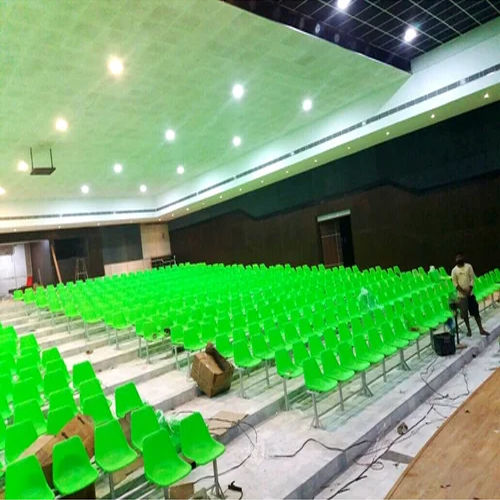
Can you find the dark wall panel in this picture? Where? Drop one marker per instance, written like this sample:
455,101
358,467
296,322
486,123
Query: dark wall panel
414,201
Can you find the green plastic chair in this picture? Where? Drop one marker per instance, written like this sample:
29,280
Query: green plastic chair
27,342
332,369
316,346
223,345
18,437
81,372
25,390
350,362
331,339
287,370
198,445
54,381
28,360
90,388
376,343
64,397
97,407
5,409
143,422
30,411
244,360
127,399
112,451
300,353
276,341
51,354
25,479
316,382
58,418
32,373
162,465
58,365
71,468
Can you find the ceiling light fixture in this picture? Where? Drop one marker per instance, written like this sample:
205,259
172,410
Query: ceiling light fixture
262,182
241,189
315,160
187,209
22,166
433,116
307,104
410,34
117,167
115,66
486,96
180,169
238,91
286,172
85,189
220,197
348,147
387,133
236,141
343,4
2,191
143,188
170,135
61,125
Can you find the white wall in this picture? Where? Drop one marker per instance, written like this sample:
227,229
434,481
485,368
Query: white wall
13,271
155,240
127,267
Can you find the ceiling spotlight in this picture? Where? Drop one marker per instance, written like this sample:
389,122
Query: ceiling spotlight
387,133
286,172
117,167
170,135
58,227
315,160
240,189
307,104
486,96
180,169
143,188
85,189
262,182
173,215
236,141
61,125
115,66
410,34
238,90
433,116
343,4
348,147
22,166
2,191
187,209
220,197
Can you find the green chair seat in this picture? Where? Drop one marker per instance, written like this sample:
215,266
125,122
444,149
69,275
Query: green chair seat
284,365
97,407
332,369
242,356
314,379
58,418
25,479
112,451
71,469
127,399
143,422
347,359
30,411
18,437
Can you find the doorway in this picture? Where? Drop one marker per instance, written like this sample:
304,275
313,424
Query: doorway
336,239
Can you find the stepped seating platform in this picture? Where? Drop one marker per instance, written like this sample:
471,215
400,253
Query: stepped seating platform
162,383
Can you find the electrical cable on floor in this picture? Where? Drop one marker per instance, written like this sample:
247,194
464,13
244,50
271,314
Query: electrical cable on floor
313,440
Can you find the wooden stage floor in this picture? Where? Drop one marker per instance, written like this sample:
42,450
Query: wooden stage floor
462,460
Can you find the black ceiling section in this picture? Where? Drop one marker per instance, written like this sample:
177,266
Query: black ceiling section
375,28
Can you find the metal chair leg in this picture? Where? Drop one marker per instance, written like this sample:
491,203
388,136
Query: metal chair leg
418,349
147,350
111,486
267,373
315,408
116,339
366,390
166,495
189,365
218,489
285,392
242,391
404,366
341,397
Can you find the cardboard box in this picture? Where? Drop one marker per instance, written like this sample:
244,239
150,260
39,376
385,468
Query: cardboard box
42,448
181,491
211,371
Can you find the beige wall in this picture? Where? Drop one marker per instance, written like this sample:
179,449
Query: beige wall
155,240
127,267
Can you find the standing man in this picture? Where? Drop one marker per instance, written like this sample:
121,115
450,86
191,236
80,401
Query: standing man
462,276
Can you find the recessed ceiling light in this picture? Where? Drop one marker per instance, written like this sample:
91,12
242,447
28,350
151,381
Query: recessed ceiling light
343,4
410,34
286,172
2,191
262,182
98,223
173,215
15,230
22,166
180,169
170,135
143,188
387,133
238,90
241,189
58,227
307,104
220,197
115,66
486,95
349,147
315,160
236,141
84,189
117,167
61,125
187,209
433,116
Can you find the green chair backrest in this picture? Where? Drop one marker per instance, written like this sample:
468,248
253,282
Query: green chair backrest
97,407
300,353
194,433
18,437
68,452
54,381
29,411
143,421
312,371
127,399
81,372
28,341
24,478
330,363
63,397
25,390
90,388
109,440
49,355
58,418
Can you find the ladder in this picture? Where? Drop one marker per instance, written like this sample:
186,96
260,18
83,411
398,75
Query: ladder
80,269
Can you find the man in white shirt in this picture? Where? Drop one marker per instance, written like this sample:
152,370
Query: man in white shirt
462,276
